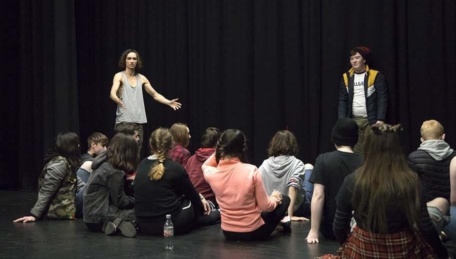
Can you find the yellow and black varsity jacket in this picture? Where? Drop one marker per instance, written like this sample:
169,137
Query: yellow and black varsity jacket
375,91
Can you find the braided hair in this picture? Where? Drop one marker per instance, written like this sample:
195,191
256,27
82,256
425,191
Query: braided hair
160,141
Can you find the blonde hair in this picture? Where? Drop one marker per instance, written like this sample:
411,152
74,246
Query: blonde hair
431,129
160,142
180,133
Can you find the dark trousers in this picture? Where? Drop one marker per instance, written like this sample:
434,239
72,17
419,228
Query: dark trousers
327,231
184,222
271,220
84,176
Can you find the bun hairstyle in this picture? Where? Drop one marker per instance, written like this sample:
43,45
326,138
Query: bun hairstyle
160,142
382,138
232,143
386,128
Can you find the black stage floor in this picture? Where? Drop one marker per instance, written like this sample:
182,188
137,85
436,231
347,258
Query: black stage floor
71,239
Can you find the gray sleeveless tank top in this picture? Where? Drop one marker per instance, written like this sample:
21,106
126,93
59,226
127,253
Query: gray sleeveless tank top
133,99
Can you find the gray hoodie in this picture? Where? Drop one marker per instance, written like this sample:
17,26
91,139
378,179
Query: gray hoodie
438,149
281,172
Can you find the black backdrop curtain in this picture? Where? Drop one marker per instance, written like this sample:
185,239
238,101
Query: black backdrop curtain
41,95
259,66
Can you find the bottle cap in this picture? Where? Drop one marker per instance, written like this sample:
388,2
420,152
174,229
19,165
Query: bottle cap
168,216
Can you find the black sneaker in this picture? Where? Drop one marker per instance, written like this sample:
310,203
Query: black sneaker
286,226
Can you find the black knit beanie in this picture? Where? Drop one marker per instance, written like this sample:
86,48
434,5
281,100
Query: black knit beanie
345,132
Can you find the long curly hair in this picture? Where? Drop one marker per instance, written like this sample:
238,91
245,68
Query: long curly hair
123,59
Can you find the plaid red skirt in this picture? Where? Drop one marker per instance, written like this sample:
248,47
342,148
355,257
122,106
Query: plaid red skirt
405,244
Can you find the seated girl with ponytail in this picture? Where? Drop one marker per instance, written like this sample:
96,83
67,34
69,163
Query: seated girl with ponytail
248,213
162,187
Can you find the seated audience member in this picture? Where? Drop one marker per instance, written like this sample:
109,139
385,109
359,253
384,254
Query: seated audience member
194,163
106,206
432,164
283,172
131,129
450,229
181,136
385,198
134,130
248,213
328,175
58,183
128,129
162,187
96,143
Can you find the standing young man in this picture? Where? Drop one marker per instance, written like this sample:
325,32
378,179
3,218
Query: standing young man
126,92
363,94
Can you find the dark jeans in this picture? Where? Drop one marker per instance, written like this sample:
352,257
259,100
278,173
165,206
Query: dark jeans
125,215
303,210
271,220
79,202
308,186
84,176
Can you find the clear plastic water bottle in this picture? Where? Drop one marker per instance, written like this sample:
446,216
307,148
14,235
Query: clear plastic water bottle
168,233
